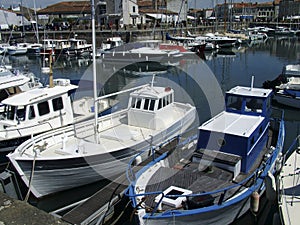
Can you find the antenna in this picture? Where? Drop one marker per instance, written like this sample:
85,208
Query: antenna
152,81
252,82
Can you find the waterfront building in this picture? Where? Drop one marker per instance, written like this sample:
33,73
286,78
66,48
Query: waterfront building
289,9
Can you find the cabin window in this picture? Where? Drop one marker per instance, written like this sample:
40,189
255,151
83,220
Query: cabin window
57,104
235,102
166,101
10,112
31,113
43,108
3,95
146,104
138,103
253,105
21,112
152,104
133,102
159,104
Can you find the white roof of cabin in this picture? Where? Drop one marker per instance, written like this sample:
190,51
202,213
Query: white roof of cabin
37,95
152,92
247,91
233,123
12,81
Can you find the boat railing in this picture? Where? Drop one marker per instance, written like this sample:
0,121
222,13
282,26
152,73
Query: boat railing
130,192
131,176
293,147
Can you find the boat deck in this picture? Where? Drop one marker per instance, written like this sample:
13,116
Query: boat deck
191,176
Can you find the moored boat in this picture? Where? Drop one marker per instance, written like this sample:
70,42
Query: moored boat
236,150
288,183
85,153
289,93
40,110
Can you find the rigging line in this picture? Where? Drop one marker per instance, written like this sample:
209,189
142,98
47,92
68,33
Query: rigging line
31,177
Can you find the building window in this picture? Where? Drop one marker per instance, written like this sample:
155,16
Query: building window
133,9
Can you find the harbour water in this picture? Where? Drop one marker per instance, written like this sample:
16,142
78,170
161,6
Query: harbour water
200,81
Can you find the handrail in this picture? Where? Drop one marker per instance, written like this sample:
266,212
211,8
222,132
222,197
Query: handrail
292,146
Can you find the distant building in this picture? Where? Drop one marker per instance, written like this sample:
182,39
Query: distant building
116,13
267,11
9,19
289,9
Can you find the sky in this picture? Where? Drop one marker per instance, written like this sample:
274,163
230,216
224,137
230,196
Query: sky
44,3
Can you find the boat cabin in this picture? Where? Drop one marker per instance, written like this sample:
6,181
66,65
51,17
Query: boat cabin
241,129
148,107
38,106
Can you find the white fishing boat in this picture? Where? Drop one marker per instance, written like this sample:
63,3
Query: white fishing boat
43,109
212,184
18,49
78,47
288,183
109,44
140,54
82,154
289,93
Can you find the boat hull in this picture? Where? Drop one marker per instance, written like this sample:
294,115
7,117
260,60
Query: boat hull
215,217
287,100
55,175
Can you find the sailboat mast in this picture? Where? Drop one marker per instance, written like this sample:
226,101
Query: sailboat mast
36,23
94,67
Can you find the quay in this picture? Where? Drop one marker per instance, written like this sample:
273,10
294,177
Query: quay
134,34
18,212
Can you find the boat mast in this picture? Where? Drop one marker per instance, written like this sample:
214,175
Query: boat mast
94,68
36,24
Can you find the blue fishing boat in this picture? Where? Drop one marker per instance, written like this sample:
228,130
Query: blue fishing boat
235,152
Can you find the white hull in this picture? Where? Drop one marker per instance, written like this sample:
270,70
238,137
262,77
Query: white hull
289,193
72,159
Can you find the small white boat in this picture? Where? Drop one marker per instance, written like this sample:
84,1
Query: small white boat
141,54
79,155
289,93
212,184
43,109
109,44
34,49
289,183
3,48
18,49
78,47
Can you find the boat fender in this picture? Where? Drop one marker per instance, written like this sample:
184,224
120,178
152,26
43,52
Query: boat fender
138,160
254,202
270,187
278,163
